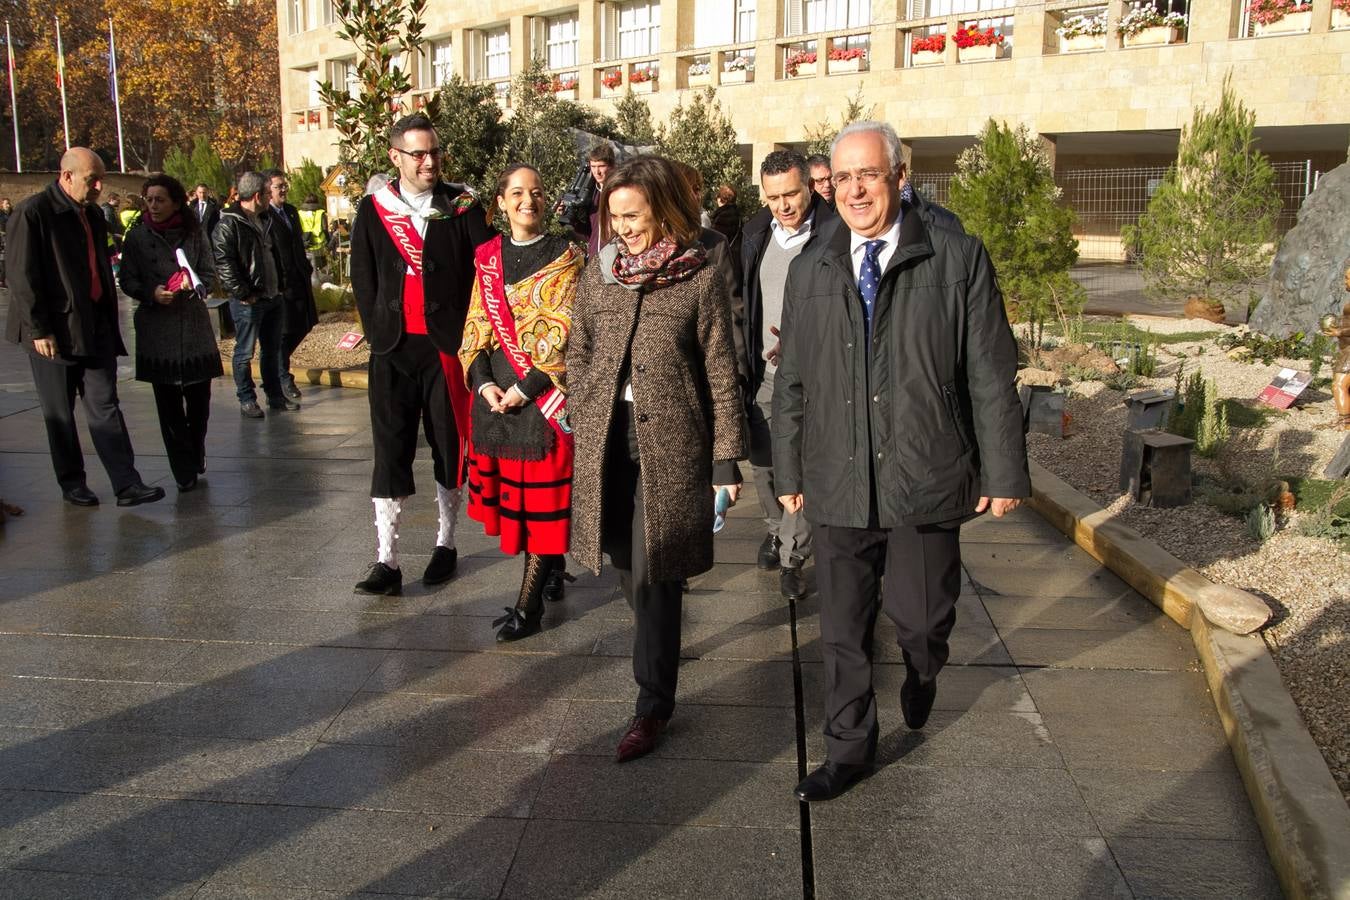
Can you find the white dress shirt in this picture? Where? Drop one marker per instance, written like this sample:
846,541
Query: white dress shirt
857,243
789,239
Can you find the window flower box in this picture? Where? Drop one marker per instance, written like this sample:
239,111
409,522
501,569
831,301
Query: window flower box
974,45
800,65
1292,23
1280,16
1340,18
1082,43
703,79
642,81
564,88
843,62
928,51
738,69
611,83
1153,36
980,53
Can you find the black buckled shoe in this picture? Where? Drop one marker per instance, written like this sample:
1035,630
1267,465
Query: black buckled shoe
767,557
381,581
282,402
139,493
442,566
830,780
80,496
916,698
792,582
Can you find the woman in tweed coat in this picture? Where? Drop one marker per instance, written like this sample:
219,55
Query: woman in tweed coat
175,347
656,409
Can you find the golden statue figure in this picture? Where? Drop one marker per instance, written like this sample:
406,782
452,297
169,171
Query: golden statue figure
1339,328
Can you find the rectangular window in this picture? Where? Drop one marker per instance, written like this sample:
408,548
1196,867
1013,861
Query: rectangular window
295,16
342,72
329,13
495,60
312,82
807,16
634,28
437,64
745,20
924,9
560,41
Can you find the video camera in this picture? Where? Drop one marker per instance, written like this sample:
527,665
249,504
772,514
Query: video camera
574,208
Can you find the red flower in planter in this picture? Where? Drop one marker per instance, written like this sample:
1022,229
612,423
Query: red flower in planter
639,76
936,43
800,58
1267,12
612,79
842,55
970,36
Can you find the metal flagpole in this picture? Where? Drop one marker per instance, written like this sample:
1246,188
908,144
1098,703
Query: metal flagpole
117,99
13,102
61,81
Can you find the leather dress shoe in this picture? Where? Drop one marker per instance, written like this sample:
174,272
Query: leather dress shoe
80,496
555,586
792,582
767,557
640,738
139,493
916,698
830,781
381,581
289,389
189,485
282,402
250,409
442,566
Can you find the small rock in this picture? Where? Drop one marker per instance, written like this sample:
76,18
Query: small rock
1203,308
1233,610
1037,377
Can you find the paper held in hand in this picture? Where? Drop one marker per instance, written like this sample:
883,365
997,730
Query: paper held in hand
1284,388
350,340
193,281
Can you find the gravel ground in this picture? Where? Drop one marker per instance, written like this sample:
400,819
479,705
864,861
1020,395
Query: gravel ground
319,349
1305,580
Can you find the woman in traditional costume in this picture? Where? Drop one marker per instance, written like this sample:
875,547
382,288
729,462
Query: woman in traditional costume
520,464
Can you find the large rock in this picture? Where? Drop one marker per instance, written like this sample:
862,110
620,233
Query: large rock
1307,279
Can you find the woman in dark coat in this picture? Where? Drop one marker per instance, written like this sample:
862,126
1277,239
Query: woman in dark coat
175,347
515,336
658,417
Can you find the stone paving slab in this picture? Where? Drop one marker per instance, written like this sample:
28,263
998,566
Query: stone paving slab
194,702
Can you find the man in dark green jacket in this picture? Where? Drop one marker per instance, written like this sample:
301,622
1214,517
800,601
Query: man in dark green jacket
895,419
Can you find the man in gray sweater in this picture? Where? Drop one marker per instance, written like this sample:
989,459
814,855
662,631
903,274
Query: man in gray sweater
772,239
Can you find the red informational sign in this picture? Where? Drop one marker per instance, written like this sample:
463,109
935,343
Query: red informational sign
1284,388
350,340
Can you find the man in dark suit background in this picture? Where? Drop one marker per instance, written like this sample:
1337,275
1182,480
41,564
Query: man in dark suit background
63,310
206,208
299,314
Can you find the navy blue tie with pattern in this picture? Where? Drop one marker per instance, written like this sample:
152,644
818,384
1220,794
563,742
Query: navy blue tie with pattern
869,279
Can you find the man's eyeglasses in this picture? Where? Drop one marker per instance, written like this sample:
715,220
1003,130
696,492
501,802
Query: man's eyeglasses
867,177
821,181
420,155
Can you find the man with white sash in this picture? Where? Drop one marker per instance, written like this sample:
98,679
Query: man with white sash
412,272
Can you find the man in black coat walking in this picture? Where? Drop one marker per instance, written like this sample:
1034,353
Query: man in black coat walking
63,310
206,209
895,419
299,315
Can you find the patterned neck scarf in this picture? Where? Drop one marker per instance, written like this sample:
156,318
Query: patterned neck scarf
658,265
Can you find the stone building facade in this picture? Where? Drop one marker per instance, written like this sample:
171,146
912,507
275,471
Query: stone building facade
1100,101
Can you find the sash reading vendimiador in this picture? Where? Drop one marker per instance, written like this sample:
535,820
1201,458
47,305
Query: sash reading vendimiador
492,288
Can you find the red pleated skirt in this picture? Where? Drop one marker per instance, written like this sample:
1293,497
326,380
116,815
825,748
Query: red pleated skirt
528,503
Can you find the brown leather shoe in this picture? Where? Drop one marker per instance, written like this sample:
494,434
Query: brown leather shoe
640,739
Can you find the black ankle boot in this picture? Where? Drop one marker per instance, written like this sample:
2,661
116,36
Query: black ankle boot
523,620
554,585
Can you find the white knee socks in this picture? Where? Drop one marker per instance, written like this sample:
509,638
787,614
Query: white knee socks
447,505
387,513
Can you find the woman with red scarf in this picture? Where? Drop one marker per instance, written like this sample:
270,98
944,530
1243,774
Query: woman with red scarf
515,335
175,347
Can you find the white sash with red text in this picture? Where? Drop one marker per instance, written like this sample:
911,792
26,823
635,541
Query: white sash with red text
492,287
